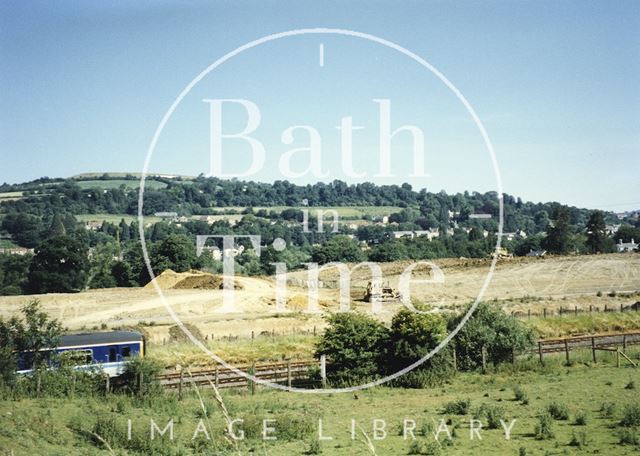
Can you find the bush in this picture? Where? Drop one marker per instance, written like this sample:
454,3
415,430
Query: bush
491,327
578,440
490,415
629,437
411,337
425,448
607,409
460,407
544,428
631,415
149,369
314,447
354,345
631,385
520,394
581,419
558,411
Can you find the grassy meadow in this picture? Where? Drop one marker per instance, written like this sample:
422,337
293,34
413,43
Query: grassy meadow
589,403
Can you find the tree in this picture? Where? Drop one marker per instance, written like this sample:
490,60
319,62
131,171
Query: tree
559,234
176,252
489,327
60,265
597,239
412,336
27,338
339,248
388,251
13,273
626,233
354,345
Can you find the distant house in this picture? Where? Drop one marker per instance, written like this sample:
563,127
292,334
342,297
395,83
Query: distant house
626,246
93,225
536,253
611,229
16,251
403,234
171,215
479,216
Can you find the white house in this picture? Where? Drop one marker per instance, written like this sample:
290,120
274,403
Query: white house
626,246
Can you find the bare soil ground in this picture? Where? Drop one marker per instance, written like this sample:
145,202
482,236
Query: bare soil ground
519,284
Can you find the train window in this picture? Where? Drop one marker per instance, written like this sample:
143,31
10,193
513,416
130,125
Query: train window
112,354
126,352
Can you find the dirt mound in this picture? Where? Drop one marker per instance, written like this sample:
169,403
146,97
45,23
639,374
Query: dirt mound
190,280
202,281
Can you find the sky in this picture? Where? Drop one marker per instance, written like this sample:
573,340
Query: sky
84,86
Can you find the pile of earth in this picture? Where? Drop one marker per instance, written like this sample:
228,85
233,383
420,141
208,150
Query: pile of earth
190,280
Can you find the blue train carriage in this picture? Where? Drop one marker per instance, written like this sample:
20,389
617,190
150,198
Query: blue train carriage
108,351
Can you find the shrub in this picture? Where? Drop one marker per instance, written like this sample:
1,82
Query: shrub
581,419
354,345
629,437
314,447
520,394
425,448
460,407
558,411
631,415
544,428
490,415
578,440
411,337
498,332
607,409
631,385
149,369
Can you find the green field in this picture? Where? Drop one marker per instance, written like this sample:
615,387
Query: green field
351,212
115,218
71,426
116,183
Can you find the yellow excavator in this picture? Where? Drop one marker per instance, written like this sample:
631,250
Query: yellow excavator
381,292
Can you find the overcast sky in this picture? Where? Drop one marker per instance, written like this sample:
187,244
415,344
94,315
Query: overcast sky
84,85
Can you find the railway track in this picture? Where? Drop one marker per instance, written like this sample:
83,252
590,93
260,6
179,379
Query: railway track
304,372
286,373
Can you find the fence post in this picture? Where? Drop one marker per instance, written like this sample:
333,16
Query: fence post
621,308
217,377
544,312
180,385
455,360
106,384
529,314
540,351
314,330
605,308
323,370
566,349
576,310
590,308
618,358
593,348
252,335
624,343
251,381
289,379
